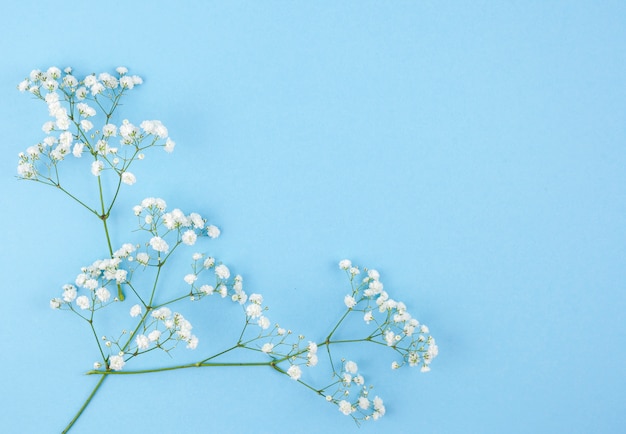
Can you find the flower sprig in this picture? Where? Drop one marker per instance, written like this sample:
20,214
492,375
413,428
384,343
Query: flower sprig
156,318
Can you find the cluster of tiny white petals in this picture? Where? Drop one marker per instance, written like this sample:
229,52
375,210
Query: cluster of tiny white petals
116,362
294,372
94,280
352,395
74,106
397,327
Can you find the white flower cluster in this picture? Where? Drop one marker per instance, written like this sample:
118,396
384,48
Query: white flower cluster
94,279
165,326
175,226
352,395
220,284
74,105
297,356
394,325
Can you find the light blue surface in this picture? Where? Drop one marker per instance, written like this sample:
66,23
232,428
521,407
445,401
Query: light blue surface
472,152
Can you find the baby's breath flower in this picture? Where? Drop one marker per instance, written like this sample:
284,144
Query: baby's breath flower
83,302
96,168
128,178
364,403
142,342
349,301
192,343
103,294
116,363
294,372
159,244
143,258
351,367
345,407
254,310
135,310
169,145
222,271
207,289
189,237
213,231
263,322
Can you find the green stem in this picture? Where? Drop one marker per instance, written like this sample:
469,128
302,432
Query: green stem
176,367
338,324
84,406
57,185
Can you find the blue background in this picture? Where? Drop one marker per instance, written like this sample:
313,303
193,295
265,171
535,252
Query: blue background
472,152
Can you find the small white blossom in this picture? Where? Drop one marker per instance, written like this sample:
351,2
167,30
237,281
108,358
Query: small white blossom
77,151
159,244
103,294
368,317
364,403
127,82
83,302
267,347
69,293
192,343
264,322
213,231
345,407
142,342
190,278
254,310
128,178
390,337
109,130
162,313
294,372
207,289
351,367
379,408
349,301
154,335
373,274
311,359
143,258
189,237
86,125
345,264
55,303
169,145
135,310
116,363
256,298
48,127
222,271
96,168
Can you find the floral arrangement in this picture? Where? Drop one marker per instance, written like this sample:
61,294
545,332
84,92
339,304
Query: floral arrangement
128,276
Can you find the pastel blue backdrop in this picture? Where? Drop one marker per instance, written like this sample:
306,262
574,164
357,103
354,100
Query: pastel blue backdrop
472,152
